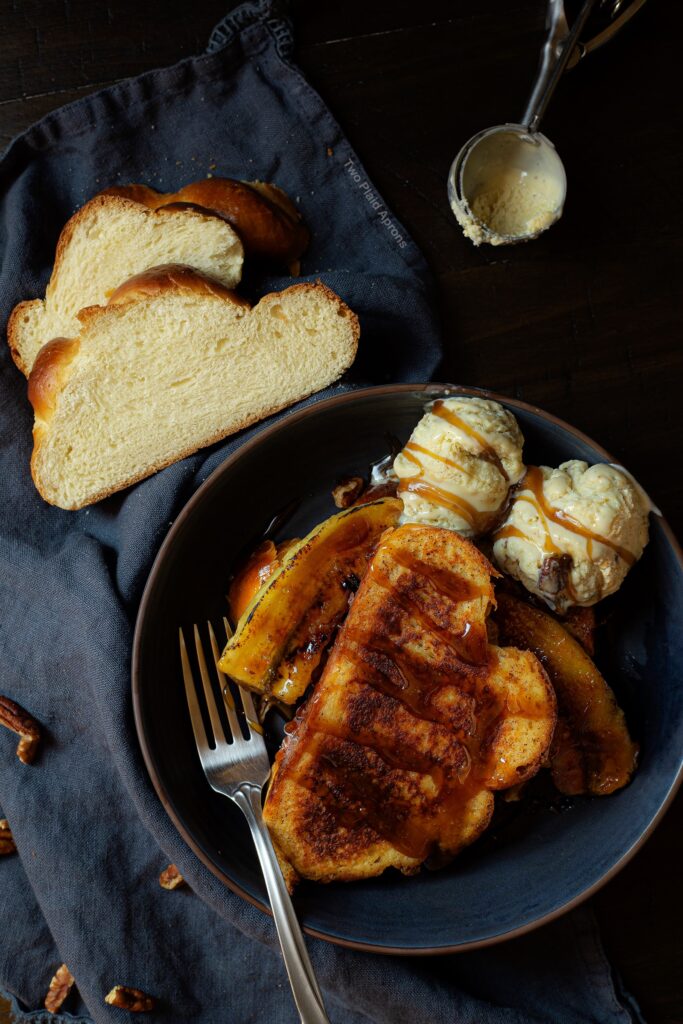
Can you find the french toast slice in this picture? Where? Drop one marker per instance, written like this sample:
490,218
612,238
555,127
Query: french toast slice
414,723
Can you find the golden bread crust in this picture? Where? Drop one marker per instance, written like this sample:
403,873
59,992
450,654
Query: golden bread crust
170,277
264,217
49,374
46,380
13,329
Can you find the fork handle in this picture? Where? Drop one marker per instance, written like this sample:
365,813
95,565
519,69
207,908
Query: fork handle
307,995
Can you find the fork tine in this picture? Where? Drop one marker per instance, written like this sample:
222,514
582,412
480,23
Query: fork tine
216,724
247,700
225,690
250,712
191,694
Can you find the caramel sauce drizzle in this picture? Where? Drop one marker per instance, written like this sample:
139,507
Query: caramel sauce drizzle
533,482
479,521
448,584
413,446
474,646
446,499
401,677
440,409
510,531
357,797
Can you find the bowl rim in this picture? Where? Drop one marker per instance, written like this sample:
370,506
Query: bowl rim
187,510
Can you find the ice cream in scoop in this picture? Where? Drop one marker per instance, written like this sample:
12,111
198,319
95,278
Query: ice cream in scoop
571,534
459,464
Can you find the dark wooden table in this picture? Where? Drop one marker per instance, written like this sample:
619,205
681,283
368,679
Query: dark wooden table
584,322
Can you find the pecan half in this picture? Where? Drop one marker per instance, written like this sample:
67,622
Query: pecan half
170,878
14,717
6,838
347,491
59,989
388,489
131,999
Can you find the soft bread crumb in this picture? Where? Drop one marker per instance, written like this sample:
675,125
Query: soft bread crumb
107,241
160,377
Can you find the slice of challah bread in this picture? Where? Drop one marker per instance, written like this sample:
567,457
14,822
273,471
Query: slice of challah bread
264,216
174,362
104,243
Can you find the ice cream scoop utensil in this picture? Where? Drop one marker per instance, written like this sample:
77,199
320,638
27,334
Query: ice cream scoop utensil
507,184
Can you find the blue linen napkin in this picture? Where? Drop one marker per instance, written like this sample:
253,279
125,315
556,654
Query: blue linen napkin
91,833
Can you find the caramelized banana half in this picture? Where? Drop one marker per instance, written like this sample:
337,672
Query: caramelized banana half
282,635
592,751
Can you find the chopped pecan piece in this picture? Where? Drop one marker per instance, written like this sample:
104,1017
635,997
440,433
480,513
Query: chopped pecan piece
59,989
6,838
554,574
388,489
348,491
14,717
170,878
131,999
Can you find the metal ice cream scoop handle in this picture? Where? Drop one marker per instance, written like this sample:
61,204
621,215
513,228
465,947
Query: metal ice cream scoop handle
557,49
507,184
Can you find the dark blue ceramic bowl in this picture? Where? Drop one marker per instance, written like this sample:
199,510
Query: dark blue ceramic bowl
542,856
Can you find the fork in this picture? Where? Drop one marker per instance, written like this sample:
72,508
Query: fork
239,768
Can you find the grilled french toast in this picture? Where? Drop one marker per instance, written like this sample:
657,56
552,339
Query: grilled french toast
415,721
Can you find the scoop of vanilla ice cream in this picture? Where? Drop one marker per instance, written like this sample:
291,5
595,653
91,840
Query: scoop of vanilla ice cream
459,464
571,534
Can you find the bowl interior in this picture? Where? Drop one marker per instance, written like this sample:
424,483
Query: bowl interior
541,854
